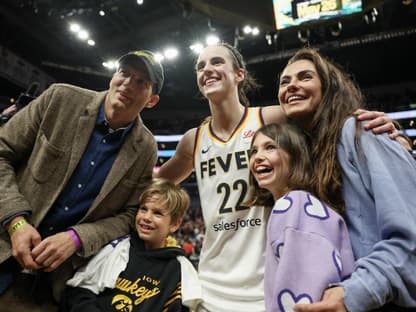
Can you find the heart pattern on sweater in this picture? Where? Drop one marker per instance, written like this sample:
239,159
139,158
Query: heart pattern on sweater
315,208
287,299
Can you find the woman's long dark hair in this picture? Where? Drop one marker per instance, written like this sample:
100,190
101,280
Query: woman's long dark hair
340,99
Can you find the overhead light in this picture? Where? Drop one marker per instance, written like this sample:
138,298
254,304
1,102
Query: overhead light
371,17
255,31
212,40
83,34
102,13
139,2
110,64
74,27
171,53
197,47
268,38
247,29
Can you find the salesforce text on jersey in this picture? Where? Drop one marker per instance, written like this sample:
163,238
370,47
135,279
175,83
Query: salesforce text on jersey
235,225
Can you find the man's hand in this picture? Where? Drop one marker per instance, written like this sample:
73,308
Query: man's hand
9,110
53,251
332,301
379,122
23,240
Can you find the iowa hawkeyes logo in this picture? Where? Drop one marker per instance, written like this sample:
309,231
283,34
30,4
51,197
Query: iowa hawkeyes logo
122,303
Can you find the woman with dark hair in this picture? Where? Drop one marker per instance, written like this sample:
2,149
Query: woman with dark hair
358,173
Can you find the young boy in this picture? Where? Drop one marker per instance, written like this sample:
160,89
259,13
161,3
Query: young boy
143,271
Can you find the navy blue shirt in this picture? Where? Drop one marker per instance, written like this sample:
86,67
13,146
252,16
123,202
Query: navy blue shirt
87,179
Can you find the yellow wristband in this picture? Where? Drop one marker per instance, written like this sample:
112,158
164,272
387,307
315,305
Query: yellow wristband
13,228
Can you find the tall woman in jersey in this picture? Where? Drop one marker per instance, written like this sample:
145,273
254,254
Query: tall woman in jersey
231,264
232,257
361,174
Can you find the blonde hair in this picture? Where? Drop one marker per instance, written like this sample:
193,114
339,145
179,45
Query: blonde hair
174,198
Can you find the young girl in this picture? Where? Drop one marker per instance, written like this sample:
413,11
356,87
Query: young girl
307,242
361,174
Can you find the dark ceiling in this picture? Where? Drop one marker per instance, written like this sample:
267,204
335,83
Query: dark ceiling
378,53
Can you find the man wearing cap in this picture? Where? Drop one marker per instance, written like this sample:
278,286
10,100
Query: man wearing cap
73,164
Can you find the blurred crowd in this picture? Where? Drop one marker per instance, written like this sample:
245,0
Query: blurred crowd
191,235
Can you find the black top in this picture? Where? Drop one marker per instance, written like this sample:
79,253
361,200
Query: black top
151,282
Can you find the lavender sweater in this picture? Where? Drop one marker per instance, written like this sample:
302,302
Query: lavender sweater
308,248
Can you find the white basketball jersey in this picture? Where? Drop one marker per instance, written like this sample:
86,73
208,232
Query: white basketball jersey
231,265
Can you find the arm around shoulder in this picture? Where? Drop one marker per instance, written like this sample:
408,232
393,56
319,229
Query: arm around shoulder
273,114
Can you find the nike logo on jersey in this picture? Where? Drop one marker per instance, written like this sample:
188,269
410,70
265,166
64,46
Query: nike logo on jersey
205,150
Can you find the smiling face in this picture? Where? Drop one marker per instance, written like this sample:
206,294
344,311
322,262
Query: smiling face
154,223
269,165
216,73
300,91
130,91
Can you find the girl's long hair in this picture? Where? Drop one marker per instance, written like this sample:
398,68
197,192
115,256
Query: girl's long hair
289,138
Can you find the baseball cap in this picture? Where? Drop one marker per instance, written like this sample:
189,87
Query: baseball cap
154,68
